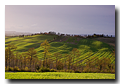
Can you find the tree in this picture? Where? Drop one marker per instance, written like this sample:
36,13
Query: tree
65,60
51,62
58,34
16,58
48,63
35,60
69,61
89,64
25,59
75,54
113,53
103,64
32,54
28,59
106,64
10,49
46,46
13,60
59,65
6,57
21,60
57,56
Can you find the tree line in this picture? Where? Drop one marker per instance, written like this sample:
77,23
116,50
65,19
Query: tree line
29,61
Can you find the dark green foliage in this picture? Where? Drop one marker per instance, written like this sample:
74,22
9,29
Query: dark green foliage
76,71
53,70
27,69
56,44
16,68
10,69
71,71
62,70
6,69
44,69
59,65
37,67
22,70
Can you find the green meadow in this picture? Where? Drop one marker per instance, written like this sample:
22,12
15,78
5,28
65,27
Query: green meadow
84,45
89,50
57,75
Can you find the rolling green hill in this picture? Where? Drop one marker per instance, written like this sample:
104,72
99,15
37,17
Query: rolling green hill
94,54
84,45
27,42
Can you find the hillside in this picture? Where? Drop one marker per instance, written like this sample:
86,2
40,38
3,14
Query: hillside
110,41
63,45
89,50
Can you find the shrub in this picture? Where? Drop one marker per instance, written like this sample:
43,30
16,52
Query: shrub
44,69
23,70
27,69
10,69
16,68
95,70
53,70
71,71
77,71
113,71
105,71
85,70
59,65
108,70
6,69
62,70
37,68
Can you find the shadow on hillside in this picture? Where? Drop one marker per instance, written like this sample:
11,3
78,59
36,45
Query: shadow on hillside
56,44
45,37
8,42
35,45
28,47
62,47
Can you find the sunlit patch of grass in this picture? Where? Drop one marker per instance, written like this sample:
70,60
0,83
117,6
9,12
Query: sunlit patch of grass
57,75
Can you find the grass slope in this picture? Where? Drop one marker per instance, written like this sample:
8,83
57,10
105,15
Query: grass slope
25,43
57,75
85,46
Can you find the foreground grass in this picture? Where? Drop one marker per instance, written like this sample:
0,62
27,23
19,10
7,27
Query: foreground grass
57,75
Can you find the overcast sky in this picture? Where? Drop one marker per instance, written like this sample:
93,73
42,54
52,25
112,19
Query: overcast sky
68,19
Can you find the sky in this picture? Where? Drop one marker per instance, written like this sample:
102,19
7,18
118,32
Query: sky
67,19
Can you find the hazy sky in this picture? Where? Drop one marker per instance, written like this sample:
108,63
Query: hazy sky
70,19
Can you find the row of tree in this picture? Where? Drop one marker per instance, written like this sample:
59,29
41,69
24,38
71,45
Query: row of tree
29,61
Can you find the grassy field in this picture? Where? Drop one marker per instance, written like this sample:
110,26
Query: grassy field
85,46
88,49
23,44
57,75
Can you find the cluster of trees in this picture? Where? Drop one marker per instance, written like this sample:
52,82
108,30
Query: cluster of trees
97,35
21,61
45,33
29,61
